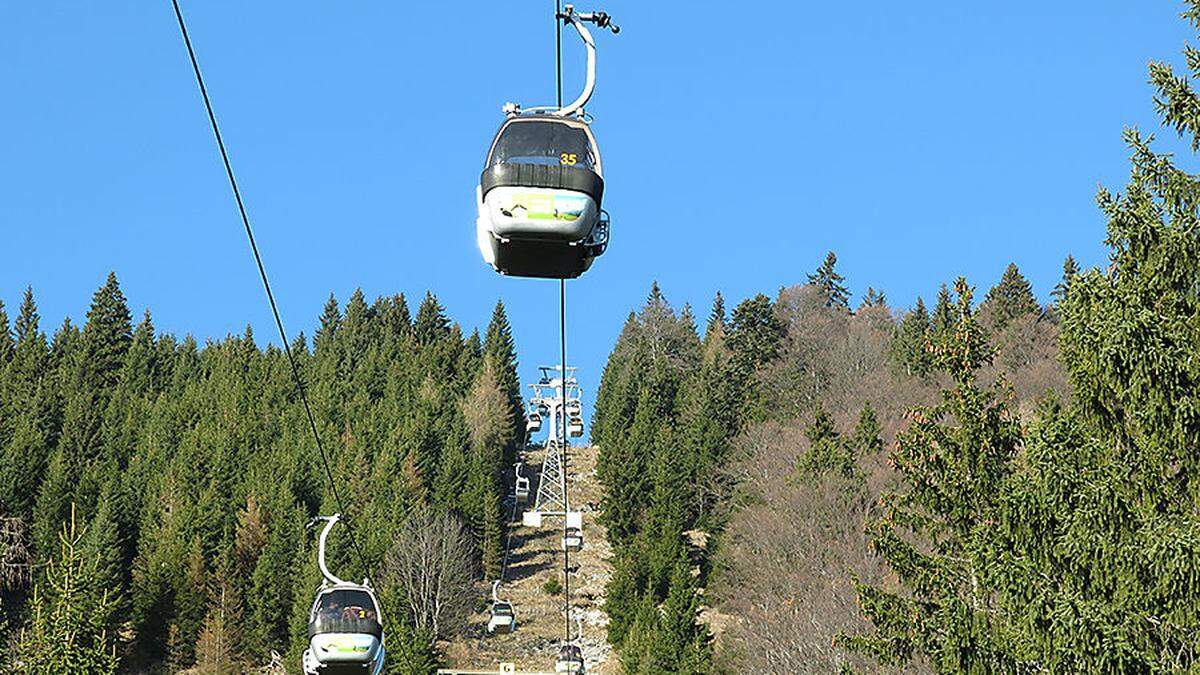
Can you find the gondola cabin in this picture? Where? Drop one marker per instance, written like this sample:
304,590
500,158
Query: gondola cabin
345,632
570,660
575,427
572,539
539,198
502,619
520,484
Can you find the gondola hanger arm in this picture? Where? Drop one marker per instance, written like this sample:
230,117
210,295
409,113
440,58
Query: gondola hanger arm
578,19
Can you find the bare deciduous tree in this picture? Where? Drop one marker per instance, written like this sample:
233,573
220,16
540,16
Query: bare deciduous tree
433,565
15,560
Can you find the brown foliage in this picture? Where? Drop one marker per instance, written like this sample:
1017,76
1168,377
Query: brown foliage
793,546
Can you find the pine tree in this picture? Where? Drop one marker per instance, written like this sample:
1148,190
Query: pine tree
7,344
830,284
716,319
943,311
1010,299
67,629
909,346
873,298
107,333
755,333
866,439
500,351
431,325
1070,271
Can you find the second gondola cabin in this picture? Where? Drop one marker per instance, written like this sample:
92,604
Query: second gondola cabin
539,198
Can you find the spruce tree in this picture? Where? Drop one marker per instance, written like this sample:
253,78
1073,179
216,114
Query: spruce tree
716,319
107,333
827,452
755,333
67,630
866,439
1070,271
501,354
1010,299
831,285
873,298
7,344
908,349
431,325
954,457
331,320
943,310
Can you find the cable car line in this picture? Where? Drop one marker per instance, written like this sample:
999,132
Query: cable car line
262,272
562,343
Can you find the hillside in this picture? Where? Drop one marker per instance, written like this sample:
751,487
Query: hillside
536,557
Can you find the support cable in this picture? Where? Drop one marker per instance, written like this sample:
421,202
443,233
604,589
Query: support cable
562,339
262,272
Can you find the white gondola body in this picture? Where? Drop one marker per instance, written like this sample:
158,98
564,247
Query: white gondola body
344,645
572,540
337,653
502,620
538,199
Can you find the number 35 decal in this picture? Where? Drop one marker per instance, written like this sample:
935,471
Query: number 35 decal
568,158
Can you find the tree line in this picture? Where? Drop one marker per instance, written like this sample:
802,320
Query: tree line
154,493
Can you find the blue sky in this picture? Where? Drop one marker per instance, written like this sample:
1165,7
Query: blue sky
919,141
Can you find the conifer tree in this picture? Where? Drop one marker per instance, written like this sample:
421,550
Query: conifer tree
431,325
1070,271
331,320
7,344
500,350
219,640
943,311
1011,298
831,285
716,319
107,333
755,333
827,452
873,298
866,439
67,629
909,345
955,471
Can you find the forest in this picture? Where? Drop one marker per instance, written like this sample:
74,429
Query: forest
991,485
156,493
810,480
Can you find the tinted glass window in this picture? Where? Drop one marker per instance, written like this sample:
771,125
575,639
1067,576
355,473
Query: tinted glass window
347,605
541,142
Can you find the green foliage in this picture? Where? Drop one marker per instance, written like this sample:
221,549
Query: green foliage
1079,553
830,284
195,470
909,346
873,298
552,586
866,439
827,450
755,333
665,416
1070,271
67,631
943,311
1010,299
